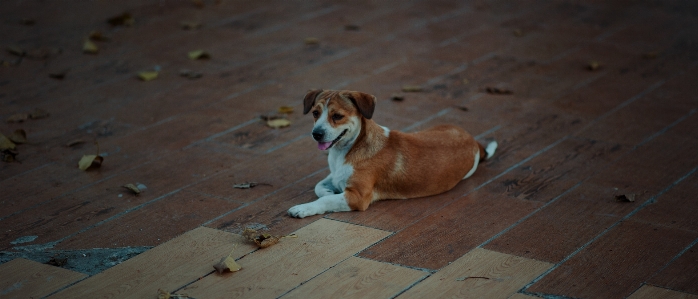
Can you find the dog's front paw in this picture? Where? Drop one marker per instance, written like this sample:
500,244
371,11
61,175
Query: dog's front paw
302,211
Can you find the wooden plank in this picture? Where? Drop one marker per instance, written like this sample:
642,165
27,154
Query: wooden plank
480,273
521,296
358,278
271,272
20,278
652,292
168,266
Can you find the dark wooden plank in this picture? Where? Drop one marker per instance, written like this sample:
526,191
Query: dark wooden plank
680,274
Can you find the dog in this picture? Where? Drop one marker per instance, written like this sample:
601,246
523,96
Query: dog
369,162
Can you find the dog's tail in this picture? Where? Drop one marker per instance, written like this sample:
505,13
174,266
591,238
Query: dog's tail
489,149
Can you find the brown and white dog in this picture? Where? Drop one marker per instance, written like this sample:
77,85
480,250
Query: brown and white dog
369,162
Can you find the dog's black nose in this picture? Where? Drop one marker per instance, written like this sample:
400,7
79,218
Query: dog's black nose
318,135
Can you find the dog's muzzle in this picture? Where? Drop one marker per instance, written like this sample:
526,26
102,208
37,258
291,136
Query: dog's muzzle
326,145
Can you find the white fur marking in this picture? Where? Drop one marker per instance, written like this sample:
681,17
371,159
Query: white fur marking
386,131
491,147
330,203
477,161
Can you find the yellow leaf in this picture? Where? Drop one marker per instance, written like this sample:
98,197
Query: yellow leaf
6,143
132,188
198,54
594,65
311,41
285,109
90,48
88,161
411,88
278,123
148,75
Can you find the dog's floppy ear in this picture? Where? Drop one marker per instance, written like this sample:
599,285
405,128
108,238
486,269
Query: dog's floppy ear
366,103
309,100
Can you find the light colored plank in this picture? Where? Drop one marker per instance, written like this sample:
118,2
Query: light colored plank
271,272
358,278
652,292
20,278
168,266
522,296
505,274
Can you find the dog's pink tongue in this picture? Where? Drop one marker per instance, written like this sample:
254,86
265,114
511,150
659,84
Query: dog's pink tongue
323,145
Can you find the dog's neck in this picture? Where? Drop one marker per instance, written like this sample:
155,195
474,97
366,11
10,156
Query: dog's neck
370,139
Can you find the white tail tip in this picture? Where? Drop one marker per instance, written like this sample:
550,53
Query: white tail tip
490,148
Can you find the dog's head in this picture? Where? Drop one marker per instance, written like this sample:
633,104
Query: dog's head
337,115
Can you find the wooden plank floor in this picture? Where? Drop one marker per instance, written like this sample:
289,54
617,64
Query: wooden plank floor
539,219
28,279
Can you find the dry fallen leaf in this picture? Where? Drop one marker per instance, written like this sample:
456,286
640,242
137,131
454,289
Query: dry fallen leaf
90,48
132,188
18,137
97,35
9,155
397,97
59,75
124,19
148,75
90,161
58,262
227,263
286,109
15,50
411,88
352,27
18,118
311,41
190,74
269,117
625,197
278,123
74,142
497,90
27,22
6,143
263,240
593,65
249,185
38,113
198,54
187,25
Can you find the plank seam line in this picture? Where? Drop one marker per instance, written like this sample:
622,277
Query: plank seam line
329,59
649,201
596,120
677,256
412,285
646,140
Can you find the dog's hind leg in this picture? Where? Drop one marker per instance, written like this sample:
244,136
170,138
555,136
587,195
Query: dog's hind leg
475,163
329,203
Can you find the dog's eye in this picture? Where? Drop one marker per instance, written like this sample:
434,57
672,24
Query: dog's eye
316,114
337,117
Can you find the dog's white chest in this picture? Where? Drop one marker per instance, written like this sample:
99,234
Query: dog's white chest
340,171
